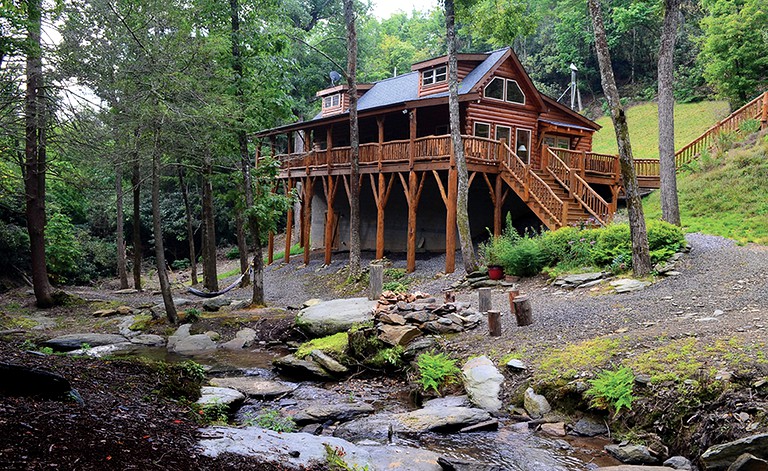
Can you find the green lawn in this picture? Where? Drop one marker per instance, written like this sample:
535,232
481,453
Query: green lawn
725,196
691,120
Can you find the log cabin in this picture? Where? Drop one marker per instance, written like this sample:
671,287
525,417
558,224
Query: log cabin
527,156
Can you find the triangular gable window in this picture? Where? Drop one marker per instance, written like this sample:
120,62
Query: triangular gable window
504,89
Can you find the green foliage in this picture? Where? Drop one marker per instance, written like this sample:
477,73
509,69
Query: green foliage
181,380
192,315
334,459
561,364
570,248
387,358
664,239
211,413
524,259
181,264
749,126
63,251
14,246
396,280
233,253
334,345
271,419
436,370
612,389
295,250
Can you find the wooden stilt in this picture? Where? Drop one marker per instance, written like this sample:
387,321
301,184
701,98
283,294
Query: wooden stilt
498,204
288,224
450,220
271,248
380,196
307,222
412,190
330,218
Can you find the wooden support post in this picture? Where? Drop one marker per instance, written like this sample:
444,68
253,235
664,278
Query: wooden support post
498,204
376,281
271,248
306,224
494,323
512,293
412,139
381,196
450,220
289,136
544,156
485,302
412,208
380,148
272,146
523,311
330,216
764,119
288,224
328,146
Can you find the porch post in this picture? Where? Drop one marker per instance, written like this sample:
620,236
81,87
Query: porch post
290,142
412,207
288,224
330,195
272,146
328,145
450,219
383,194
412,139
307,223
764,118
498,203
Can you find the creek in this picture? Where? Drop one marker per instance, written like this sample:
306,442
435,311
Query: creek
513,447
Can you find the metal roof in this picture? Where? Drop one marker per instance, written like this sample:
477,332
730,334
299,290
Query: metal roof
565,125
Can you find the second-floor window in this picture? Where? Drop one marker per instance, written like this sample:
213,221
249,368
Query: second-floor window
331,101
436,75
504,89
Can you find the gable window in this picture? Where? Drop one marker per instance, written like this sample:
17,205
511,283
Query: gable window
495,89
331,101
436,75
504,133
482,130
523,144
515,93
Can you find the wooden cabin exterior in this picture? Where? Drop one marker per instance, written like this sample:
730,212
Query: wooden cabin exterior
527,155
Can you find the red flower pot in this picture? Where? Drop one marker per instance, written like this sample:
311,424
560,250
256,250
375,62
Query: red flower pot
495,272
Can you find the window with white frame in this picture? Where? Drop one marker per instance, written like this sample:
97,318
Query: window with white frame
557,141
514,92
483,130
495,89
523,144
332,101
504,133
433,76
504,89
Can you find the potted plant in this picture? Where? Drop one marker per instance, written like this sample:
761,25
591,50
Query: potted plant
493,251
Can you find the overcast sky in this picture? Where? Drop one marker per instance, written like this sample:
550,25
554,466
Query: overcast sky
385,8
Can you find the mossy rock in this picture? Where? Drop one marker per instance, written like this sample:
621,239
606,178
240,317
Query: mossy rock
334,345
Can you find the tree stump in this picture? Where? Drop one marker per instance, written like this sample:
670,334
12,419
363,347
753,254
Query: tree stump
484,303
512,293
523,310
494,323
450,297
376,281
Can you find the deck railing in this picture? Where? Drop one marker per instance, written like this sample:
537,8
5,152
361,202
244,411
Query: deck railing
755,109
577,187
594,163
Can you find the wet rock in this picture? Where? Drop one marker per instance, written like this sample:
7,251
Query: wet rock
438,419
214,304
482,381
588,427
183,342
748,462
243,338
398,334
312,429
556,429
455,464
627,285
721,456
488,425
104,350
148,340
448,401
216,395
331,317
328,363
418,346
255,387
679,462
632,467
378,428
322,413
535,404
301,367
631,454
398,458
69,342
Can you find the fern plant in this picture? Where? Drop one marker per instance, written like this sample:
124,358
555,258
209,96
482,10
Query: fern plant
612,389
436,370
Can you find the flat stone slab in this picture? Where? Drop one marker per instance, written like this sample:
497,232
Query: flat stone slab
255,387
338,315
75,341
438,419
627,285
721,456
321,413
149,340
215,395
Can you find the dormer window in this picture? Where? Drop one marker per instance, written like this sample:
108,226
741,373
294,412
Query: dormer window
504,89
433,76
332,101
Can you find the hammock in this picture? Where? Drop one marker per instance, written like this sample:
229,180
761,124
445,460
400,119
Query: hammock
213,294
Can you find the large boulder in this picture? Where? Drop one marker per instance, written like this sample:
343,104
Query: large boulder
340,411
438,419
301,368
631,454
183,342
224,396
253,386
331,317
482,381
535,404
721,456
69,342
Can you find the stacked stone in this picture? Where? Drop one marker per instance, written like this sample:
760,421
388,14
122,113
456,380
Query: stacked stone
402,317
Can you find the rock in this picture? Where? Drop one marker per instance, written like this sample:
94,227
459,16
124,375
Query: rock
632,467
341,411
215,336
721,456
448,401
553,429
192,344
214,304
574,281
378,428
455,464
240,304
392,318
331,317
627,285
243,338
477,274
438,419
748,462
486,283
126,291
418,346
148,340
105,313
643,379
311,302
516,365
124,310
419,317
488,425
215,395
588,427
444,327
303,368
398,458
328,363
312,429
18,380
398,334
104,350
631,454
69,342
253,386
482,381
535,404
679,462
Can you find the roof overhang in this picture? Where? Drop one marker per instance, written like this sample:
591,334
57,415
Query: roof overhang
425,64
582,119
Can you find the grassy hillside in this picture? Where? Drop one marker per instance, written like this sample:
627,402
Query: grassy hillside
725,195
691,119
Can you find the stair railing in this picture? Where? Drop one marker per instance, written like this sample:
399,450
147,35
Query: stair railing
577,187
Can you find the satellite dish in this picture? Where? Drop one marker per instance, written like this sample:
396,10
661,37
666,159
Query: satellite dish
335,77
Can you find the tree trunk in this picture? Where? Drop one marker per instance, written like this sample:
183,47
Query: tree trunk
242,241
35,154
210,280
120,242
157,232
354,141
641,260
136,188
242,139
670,209
190,226
462,213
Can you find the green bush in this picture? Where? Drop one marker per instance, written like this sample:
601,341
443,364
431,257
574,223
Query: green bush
14,246
63,251
749,126
612,242
181,264
233,253
612,389
181,380
569,247
664,239
271,419
436,370
525,258
211,413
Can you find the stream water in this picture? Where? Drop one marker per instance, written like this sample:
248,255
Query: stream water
513,447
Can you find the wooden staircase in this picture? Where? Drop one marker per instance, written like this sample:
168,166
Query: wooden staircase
576,213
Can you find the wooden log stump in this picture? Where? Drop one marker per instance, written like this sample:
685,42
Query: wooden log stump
512,293
494,323
523,311
376,281
484,304
450,297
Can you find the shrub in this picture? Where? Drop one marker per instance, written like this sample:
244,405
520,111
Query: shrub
233,253
181,380
192,315
749,126
664,239
436,370
180,264
525,258
63,251
14,246
271,419
612,389
612,241
211,412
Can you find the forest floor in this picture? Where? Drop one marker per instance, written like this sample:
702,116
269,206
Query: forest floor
712,320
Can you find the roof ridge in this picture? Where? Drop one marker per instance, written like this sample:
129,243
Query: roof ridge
395,77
